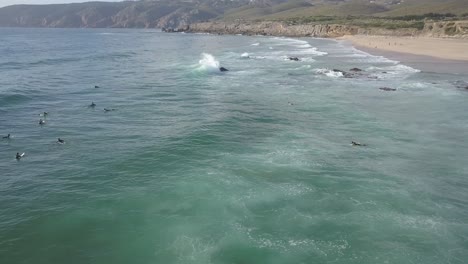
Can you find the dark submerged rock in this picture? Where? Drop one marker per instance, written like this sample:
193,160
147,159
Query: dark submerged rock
355,69
336,70
294,58
388,89
223,69
461,85
354,143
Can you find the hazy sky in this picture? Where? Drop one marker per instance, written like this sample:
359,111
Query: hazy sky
41,2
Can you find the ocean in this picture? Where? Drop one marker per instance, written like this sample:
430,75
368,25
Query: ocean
251,165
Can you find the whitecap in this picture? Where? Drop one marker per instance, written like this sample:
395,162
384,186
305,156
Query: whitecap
395,69
312,51
306,46
329,73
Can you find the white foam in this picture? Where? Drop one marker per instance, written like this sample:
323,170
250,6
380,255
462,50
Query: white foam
245,55
374,59
403,68
255,44
352,55
312,51
209,63
306,46
395,69
328,72
303,46
291,40
307,59
417,85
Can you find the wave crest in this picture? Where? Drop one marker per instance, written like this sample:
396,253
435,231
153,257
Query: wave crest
208,63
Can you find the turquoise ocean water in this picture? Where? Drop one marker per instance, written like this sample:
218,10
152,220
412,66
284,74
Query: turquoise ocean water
253,165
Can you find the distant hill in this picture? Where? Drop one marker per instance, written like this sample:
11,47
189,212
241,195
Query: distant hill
343,8
180,13
140,14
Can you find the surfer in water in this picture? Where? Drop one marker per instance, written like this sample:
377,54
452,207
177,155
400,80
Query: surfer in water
7,136
19,156
354,143
60,141
41,122
44,114
92,105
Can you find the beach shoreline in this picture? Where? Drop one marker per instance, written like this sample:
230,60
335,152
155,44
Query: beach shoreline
428,54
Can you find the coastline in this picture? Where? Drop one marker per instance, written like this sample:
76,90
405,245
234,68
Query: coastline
428,54
429,49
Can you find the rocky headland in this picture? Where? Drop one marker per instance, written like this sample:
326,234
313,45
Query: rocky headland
458,29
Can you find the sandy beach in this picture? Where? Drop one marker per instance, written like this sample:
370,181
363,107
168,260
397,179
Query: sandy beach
451,49
425,53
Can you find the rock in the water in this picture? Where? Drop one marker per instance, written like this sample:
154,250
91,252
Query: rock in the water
336,70
294,58
345,74
461,84
387,89
223,69
355,73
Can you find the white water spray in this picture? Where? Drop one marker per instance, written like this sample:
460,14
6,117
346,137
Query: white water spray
208,63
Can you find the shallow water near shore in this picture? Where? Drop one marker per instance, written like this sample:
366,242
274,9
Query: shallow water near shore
253,165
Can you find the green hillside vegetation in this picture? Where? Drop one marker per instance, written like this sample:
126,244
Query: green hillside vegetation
256,12
181,13
341,10
418,7
363,8
364,13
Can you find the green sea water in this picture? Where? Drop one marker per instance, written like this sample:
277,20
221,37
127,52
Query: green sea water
253,165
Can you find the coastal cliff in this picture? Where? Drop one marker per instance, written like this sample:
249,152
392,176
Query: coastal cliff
299,18
127,14
446,29
431,29
274,29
